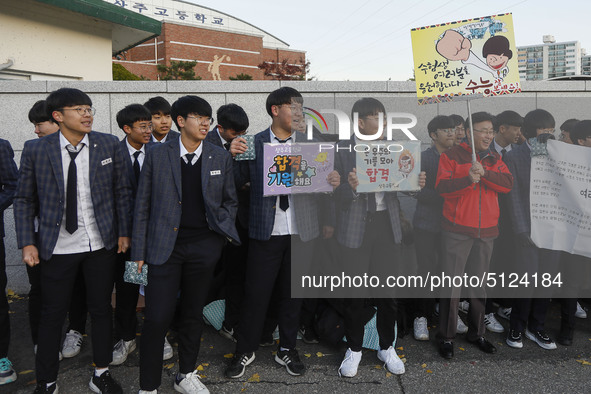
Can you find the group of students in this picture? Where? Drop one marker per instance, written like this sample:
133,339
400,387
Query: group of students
179,206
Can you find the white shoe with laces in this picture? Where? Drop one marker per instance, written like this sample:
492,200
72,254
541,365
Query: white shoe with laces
391,361
463,306
461,327
72,344
190,384
492,324
121,350
580,313
167,353
420,329
350,364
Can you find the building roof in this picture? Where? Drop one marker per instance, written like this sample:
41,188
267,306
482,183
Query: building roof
129,28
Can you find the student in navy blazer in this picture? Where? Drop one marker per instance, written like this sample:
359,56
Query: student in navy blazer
528,314
86,237
8,179
184,214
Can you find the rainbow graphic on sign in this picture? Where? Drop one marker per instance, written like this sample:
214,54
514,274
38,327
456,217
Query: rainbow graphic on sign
318,118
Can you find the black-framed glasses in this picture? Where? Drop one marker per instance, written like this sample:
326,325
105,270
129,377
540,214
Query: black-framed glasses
81,110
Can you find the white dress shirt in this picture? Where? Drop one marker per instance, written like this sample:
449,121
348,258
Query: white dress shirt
87,237
499,148
197,152
132,150
284,223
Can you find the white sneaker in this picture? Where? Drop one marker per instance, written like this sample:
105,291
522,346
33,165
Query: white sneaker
463,306
461,328
350,364
190,384
121,350
167,353
492,324
420,329
580,313
72,344
505,313
391,361
148,392
61,356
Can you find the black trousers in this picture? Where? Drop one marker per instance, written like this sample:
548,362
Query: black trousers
269,265
428,253
377,251
126,302
234,260
4,320
58,277
189,269
531,311
77,312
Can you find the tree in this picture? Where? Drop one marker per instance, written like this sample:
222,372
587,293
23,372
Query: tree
120,73
284,71
178,71
241,77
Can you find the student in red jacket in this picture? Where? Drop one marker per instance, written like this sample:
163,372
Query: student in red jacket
469,225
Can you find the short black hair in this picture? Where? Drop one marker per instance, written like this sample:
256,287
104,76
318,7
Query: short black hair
569,125
158,105
282,96
38,112
232,117
131,114
536,119
66,97
478,117
187,105
581,131
439,122
497,45
368,106
508,118
457,120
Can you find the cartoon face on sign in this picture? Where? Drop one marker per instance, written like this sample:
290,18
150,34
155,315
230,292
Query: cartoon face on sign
406,163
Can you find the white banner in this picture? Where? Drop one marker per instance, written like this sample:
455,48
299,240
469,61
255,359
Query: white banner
560,198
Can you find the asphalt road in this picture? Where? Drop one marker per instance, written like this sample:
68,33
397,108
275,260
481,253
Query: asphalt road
528,370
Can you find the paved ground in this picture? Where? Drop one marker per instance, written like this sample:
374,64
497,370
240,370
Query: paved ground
529,370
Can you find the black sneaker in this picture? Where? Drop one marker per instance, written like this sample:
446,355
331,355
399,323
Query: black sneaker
291,360
42,388
104,384
308,335
514,339
238,365
541,338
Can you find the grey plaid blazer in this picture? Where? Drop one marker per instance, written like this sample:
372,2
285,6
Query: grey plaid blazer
262,209
351,208
41,191
157,213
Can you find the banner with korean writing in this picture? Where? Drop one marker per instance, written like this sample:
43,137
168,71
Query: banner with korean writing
394,166
471,57
560,198
297,168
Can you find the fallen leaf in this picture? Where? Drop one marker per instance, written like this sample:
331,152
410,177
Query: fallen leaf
429,371
10,292
424,365
400,355
378,367
307,355
25,372
255,378
403,360
274,353
583,362
229,355
388,374
319,354
200,367
169,366
202,376
462,349
205,364
400,348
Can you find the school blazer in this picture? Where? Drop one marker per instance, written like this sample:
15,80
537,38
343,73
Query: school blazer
158,204
41,191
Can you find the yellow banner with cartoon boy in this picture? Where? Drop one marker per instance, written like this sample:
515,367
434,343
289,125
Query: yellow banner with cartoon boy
470,57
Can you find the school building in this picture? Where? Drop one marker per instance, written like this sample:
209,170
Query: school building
222,45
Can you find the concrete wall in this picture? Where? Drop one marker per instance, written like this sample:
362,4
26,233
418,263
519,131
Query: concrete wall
564,99
46,42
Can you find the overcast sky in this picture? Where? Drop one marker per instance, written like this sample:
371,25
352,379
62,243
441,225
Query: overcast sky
369,40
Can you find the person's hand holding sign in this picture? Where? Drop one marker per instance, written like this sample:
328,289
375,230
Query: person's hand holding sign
353,180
